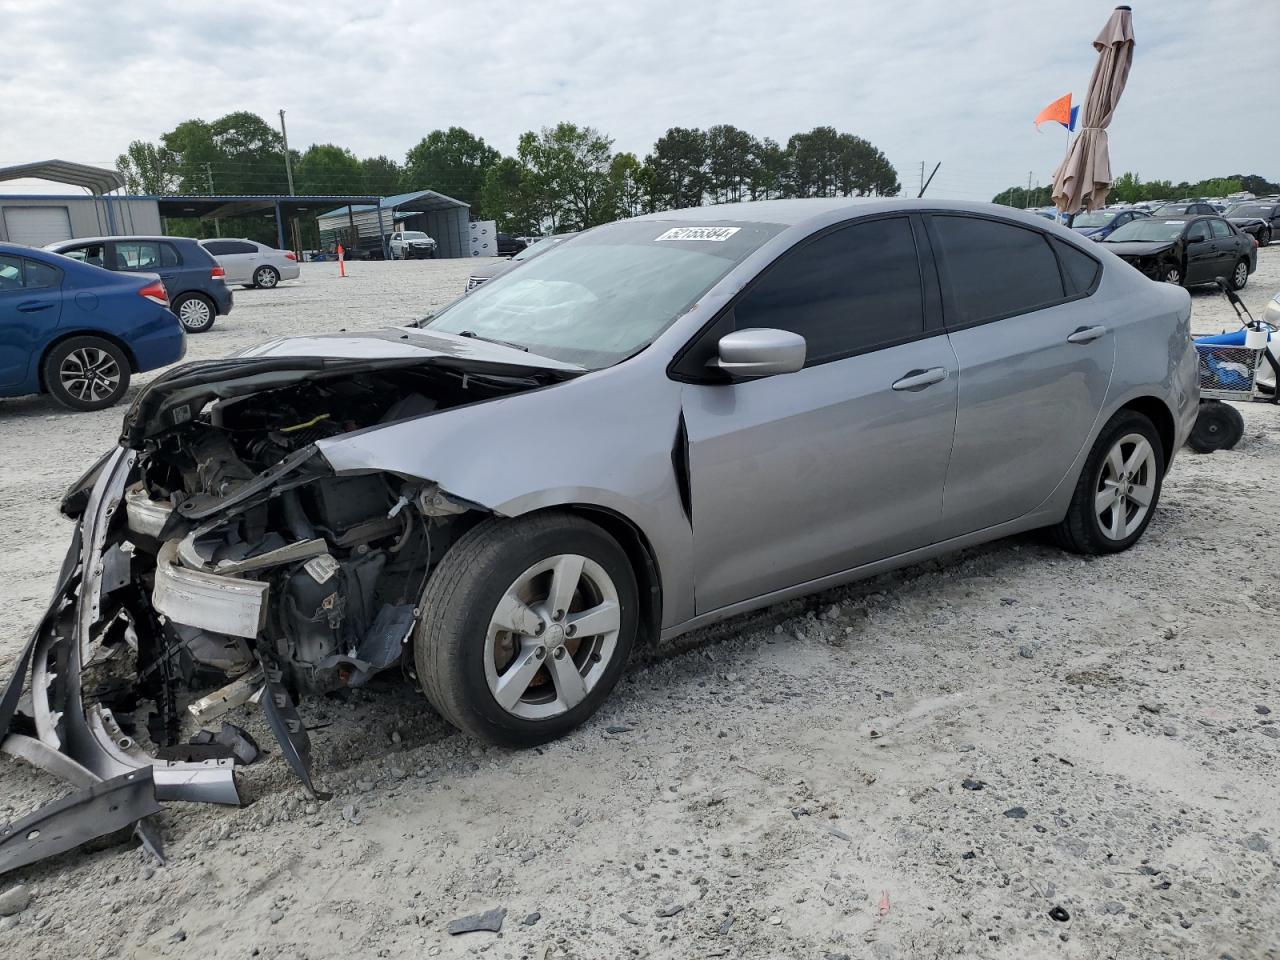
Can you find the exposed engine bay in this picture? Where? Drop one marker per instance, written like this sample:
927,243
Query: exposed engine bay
219,560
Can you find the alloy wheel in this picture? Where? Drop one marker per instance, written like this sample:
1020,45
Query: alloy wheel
1126,486
194,313
89,374
1173,275
552,637
265,277
1242,274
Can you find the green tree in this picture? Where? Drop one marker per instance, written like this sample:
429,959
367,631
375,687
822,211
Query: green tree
452,162
730,166
770,165
148,169
328,169
568,169
678,164
191,145
1021,198
628,184
506,195
381,176
815,162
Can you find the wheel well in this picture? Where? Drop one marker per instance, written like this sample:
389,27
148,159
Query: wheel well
1155,410
110,338
643,562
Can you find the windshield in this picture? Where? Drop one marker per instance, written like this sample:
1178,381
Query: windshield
1099,218
1249,210
606,295
1147,230
414,235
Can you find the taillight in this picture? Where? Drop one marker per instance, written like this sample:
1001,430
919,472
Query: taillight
156,293
288,255
217,273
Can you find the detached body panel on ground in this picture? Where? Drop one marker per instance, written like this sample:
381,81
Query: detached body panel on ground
663,423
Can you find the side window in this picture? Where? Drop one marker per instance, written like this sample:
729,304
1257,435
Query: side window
847,292
137,255
995,269
1219,228
216,248
239,246
1079,270
10,273
1199,231
41,275
94,254
169,256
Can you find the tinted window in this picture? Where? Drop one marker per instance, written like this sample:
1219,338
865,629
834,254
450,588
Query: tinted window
137,255
218,247
1219,228
1079,270
1199,231
239,246
846,292
10,273
995,269
41,275
169,256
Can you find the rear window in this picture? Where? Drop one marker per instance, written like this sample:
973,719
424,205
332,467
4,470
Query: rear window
1079,270
41,275
995,269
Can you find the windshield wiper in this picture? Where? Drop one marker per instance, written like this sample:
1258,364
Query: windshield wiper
471,334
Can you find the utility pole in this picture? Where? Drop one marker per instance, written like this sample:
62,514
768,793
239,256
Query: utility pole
208,177
921,177
288,172
1030,173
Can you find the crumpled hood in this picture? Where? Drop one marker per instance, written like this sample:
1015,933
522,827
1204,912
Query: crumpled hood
179,395
1139,248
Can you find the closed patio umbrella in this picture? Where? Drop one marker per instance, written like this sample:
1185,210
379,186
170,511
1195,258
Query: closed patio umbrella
1083,179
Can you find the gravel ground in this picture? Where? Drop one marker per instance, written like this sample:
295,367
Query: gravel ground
1011,752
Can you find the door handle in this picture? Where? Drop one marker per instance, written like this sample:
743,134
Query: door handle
34,306
1087,335
919,379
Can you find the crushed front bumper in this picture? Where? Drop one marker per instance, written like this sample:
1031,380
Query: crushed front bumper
54,729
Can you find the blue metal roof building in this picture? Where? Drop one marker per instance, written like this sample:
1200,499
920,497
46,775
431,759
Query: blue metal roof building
444,218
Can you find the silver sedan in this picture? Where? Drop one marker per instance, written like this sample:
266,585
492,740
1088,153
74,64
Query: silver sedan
657,424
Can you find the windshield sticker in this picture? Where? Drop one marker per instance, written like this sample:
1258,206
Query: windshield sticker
714,234
1173,223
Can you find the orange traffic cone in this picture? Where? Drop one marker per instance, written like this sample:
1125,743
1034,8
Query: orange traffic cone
342,266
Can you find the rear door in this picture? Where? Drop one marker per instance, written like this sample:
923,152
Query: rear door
1035,353
799,476
236,257
1228,245
30,306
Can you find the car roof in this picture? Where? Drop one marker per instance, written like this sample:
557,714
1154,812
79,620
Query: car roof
798,211
76,240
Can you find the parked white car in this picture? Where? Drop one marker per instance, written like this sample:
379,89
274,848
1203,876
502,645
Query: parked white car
251,263
412,245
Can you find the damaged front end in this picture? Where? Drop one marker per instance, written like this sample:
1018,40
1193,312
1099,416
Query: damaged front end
219,560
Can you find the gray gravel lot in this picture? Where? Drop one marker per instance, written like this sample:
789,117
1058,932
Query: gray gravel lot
923,765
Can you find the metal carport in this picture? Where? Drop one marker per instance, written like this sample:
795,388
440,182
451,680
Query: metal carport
443,217
283,207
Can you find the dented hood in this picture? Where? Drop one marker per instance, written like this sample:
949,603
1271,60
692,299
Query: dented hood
179,395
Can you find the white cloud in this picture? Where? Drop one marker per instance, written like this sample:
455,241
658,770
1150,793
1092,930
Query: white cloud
929,80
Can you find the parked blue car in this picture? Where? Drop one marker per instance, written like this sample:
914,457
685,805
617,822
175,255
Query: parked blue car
78,332
1099,224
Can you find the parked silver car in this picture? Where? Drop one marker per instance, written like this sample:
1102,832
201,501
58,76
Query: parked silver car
253,264
666,422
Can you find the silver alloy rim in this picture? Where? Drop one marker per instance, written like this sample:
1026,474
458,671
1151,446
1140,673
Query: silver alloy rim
1242,274
266,277
1126,486
194,313
89,374
1174,275
552,637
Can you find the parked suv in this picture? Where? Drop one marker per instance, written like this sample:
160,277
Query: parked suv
194,280
251,263
411,245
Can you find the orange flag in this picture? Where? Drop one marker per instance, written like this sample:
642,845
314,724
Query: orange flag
1059,112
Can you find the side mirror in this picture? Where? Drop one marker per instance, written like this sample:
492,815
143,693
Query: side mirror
761,352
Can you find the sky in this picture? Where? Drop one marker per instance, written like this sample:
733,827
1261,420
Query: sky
956,81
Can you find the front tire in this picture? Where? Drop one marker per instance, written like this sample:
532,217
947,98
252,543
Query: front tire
86,373
266,278
195,311
527,626
1219,426
1118,489
1240,275
1172,274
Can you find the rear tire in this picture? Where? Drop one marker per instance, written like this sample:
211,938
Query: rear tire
1125,468
1219,426
467,659
1240,275
86,373
195,311
266,278
1264,237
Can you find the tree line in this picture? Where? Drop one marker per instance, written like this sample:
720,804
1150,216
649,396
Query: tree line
560,178
1130,188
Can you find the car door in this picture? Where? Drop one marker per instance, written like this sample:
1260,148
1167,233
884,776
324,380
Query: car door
1035,354
798,476
30,306
1203,254
1228,246
235,257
